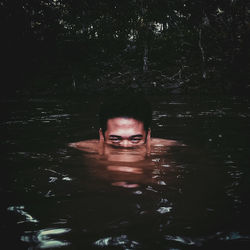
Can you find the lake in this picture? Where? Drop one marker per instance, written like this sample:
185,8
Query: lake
192,197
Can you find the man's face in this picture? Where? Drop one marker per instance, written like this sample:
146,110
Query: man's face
124,132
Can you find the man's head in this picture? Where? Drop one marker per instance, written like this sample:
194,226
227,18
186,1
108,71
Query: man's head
125,120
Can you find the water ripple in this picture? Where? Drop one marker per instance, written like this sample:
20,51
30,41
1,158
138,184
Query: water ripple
26,215
43,238
219,236
121,240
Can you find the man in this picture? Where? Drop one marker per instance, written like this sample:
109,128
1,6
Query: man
125,123
123,152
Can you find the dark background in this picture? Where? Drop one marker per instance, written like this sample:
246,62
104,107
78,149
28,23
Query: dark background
60,47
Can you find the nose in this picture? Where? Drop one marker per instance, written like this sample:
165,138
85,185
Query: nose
125,144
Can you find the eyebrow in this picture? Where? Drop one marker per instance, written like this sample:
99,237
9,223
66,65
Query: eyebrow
135,136
115,137
120,137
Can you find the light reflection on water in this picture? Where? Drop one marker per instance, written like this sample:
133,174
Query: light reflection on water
125,243
44,238
197,196
121,240
20,210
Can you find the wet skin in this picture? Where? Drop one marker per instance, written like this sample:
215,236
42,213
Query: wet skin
124,140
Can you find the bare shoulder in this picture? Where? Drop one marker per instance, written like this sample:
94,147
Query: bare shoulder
165,142
86,146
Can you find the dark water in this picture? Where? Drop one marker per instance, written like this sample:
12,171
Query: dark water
193,197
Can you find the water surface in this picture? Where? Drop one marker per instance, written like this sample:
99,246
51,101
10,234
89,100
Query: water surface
193,197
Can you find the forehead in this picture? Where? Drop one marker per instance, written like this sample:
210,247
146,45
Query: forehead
121,123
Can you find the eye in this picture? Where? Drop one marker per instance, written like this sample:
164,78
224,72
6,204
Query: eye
115,140
135,140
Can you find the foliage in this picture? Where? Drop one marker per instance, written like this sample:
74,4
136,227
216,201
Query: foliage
155,44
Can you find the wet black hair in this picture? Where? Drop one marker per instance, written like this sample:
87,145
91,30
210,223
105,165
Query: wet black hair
127,105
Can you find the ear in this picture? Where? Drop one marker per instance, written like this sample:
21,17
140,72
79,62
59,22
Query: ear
101,137
148,142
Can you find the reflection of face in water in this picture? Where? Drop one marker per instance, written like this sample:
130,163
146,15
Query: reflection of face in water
124,167
117,154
